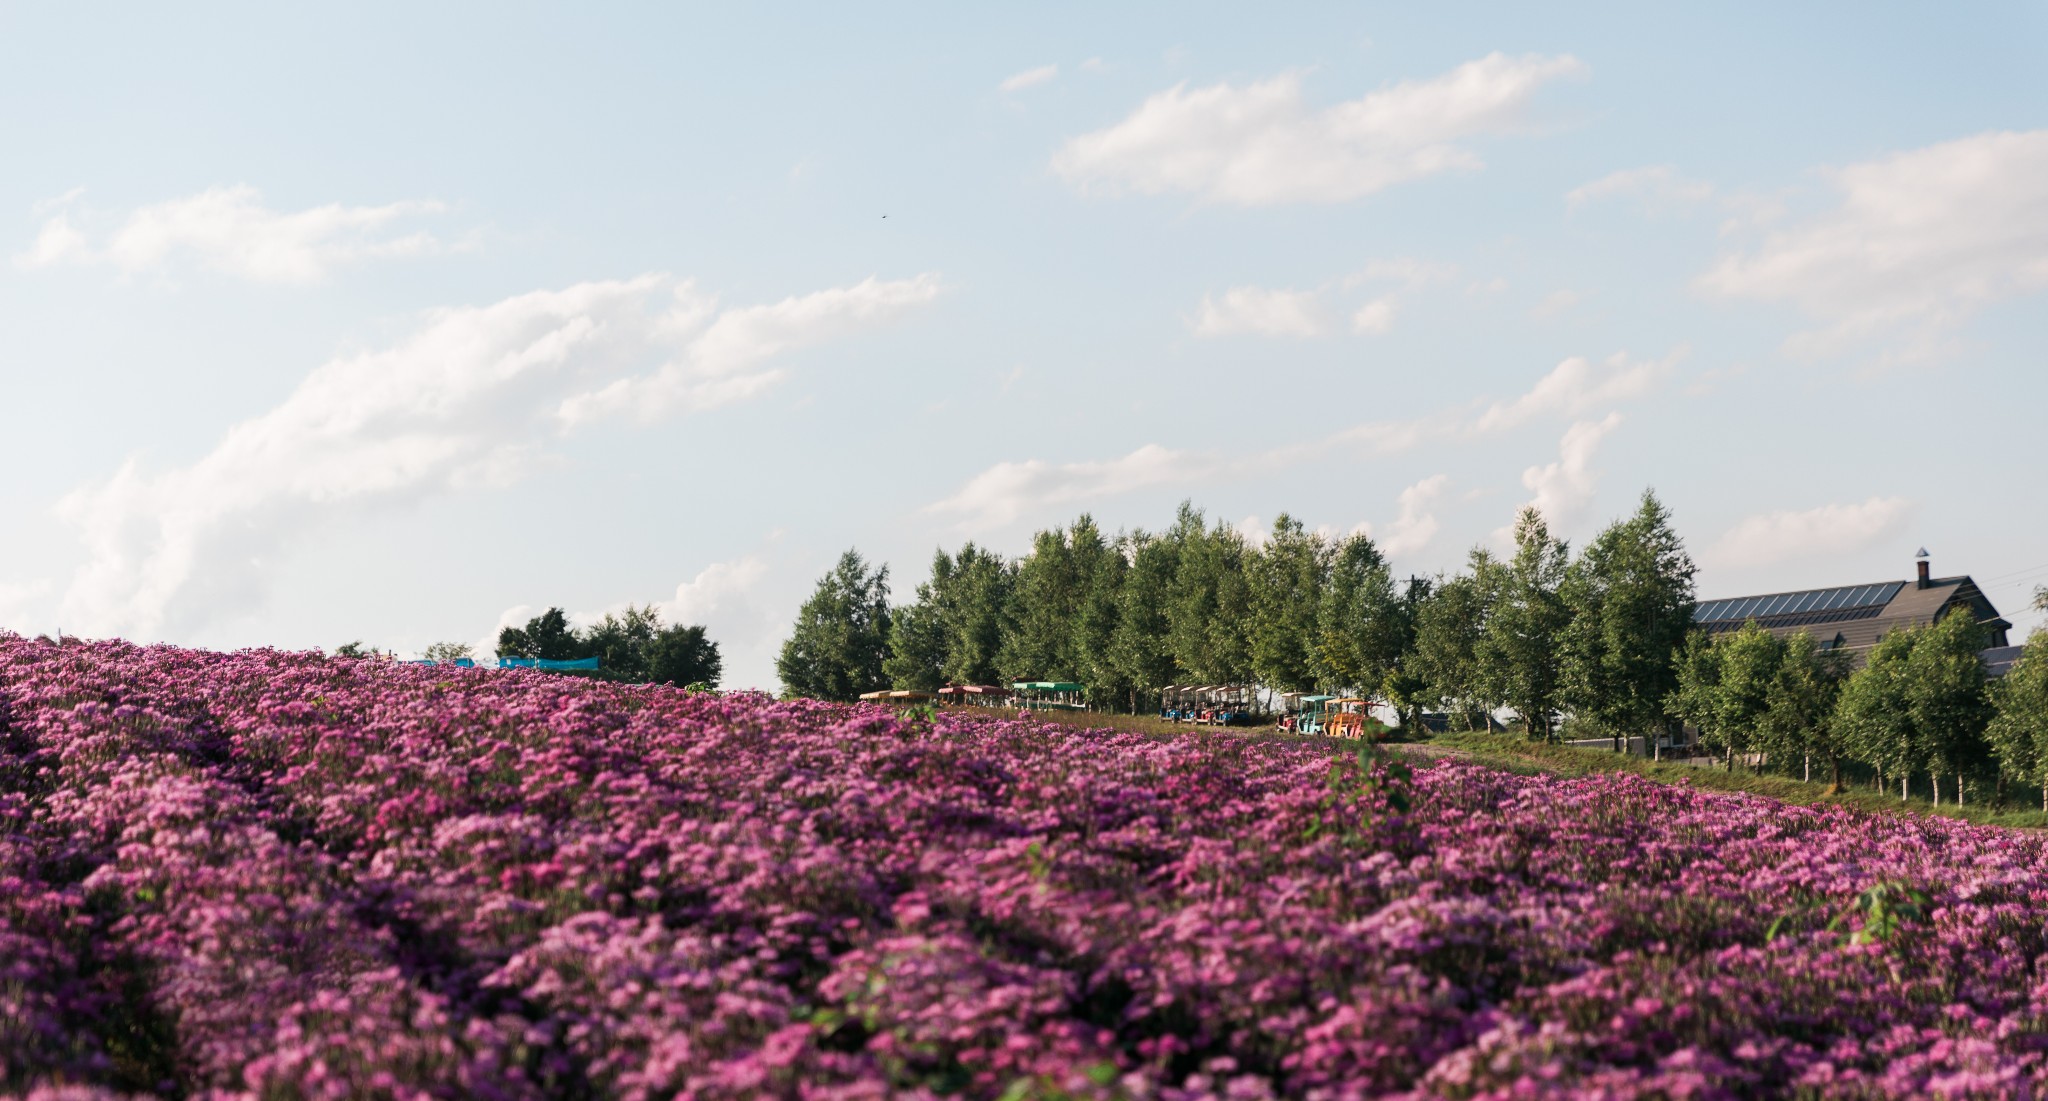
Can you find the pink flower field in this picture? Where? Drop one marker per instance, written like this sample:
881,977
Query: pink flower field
278,875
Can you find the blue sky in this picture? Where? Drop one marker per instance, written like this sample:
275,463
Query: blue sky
392,324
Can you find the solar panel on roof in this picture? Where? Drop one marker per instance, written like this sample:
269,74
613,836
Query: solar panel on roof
1739,608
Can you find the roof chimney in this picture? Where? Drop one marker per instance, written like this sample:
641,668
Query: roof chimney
1921,561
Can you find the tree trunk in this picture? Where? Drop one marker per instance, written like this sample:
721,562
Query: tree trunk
1834,773
1730,765
1902,788
1809,768
1934,781
1959,789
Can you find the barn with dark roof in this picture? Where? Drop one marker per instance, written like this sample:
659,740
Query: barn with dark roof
1853,617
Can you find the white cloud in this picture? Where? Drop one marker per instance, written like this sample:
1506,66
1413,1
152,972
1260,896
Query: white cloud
229,230
717,596
1031,78
1405,269
20,604
1554,303
1416,526
1656,186
1006,491
1575,386
1376,316
471,398
1261,143
1262,312
1826,532
717,365
1564,488
1920,240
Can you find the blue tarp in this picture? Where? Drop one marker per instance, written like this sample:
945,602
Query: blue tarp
545,663
459,663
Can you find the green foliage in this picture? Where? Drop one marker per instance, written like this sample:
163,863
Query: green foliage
1874,714
1100,569
1044,605
1881,910
355,649
1630,598
1518,654
1449,624
1920,704
1946,695
1208,610
960,627
841,636
546,636
1362,628
2018,731
1798,718
449,651
632,646
1288,580
1139,650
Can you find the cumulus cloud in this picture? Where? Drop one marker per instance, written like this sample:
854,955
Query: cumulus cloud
1405,269
719,365
1919,241
1005,491
718,596
1031,78
1009,490
229,230
1577,385
1261,312
473,397
1554,303
1375,317
1828,531
1656,186
1564,488
1416,525
1262,143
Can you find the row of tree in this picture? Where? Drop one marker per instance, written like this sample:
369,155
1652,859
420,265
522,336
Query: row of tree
634,647
1539,632
1921,705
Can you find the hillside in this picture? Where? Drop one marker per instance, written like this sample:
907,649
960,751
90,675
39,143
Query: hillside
270,874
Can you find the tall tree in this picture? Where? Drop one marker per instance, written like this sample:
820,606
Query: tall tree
1448,628
620,642
684,656
841,637
1045,606
974,598
1800,705
1631,599
547,636
917,645
1100,569
1697,695
1519,651
1361,628
1750,662
1947,701
1210,609
1874,715
2018,731
1139,646
1288,577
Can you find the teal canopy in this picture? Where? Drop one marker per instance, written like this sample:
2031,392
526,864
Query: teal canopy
546,663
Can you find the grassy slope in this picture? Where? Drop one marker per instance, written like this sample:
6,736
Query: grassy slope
1514,752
